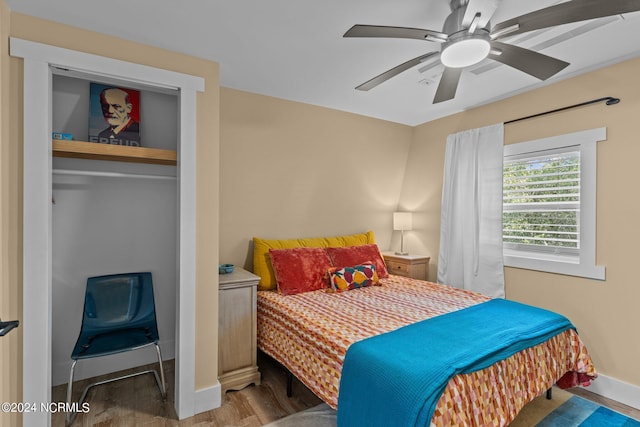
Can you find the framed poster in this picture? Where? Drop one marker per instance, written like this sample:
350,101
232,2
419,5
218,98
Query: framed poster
114,116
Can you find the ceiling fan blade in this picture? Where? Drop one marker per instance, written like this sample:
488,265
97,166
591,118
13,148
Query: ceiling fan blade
531,62
448,85
563,13
395,32
370,84
486,9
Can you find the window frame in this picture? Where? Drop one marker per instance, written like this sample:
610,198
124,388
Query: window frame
584,263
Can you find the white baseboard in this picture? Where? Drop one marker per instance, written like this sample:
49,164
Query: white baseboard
623,392
208,398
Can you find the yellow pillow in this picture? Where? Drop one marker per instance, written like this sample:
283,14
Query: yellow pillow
262,264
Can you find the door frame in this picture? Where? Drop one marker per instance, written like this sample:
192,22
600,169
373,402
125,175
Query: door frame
39,61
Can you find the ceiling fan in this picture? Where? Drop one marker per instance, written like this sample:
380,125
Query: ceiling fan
467,38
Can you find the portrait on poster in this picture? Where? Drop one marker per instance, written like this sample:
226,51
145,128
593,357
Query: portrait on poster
114,116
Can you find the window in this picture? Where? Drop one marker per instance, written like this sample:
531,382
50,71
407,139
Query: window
541,201
549,209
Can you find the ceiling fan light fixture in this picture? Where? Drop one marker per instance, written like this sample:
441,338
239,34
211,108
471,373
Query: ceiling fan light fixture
464,52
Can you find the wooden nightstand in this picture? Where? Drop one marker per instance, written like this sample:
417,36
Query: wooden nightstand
414,266
237,352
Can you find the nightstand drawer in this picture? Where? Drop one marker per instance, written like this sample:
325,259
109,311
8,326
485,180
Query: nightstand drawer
413,266
398,268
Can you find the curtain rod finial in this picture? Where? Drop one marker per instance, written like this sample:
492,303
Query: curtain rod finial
613,101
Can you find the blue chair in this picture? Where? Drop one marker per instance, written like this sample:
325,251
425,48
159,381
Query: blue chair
119,315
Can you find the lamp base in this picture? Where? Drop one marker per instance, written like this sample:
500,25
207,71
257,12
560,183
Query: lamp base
402,253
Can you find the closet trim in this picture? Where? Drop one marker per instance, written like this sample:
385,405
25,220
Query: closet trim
39,61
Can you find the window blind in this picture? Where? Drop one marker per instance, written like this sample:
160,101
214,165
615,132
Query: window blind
541,201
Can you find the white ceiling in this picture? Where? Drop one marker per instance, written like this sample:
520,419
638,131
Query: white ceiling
295,50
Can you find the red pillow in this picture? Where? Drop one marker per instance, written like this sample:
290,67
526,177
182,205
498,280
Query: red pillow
349,256
300,269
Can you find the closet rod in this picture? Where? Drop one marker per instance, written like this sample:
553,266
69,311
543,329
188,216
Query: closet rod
109,174
609,101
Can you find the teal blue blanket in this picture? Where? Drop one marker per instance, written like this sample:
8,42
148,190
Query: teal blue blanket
396,379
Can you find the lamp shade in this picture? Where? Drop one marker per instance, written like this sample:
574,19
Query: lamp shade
402,221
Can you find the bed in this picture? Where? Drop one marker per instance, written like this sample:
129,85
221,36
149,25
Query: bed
310,332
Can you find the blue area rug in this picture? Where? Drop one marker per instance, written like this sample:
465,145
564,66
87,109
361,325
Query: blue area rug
584,413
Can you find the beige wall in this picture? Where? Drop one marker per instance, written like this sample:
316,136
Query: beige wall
25,27
605,312
10,227
295,170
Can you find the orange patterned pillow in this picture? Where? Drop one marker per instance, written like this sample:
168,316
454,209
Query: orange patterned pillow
347,278
300,269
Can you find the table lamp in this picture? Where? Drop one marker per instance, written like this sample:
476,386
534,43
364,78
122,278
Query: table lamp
402,221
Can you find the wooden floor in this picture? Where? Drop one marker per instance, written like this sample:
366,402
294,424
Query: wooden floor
137,402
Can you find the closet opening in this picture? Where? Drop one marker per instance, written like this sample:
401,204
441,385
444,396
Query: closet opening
111,217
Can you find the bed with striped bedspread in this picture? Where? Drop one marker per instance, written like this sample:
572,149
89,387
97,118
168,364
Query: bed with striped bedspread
309,333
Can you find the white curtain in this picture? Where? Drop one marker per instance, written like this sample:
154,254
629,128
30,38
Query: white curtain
471,217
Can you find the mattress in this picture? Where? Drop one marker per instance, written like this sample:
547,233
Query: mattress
309,333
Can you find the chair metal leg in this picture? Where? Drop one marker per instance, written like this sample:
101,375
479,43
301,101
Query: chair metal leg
69,416
163,387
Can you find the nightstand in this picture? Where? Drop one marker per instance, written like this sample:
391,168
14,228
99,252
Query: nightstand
237,352
414,266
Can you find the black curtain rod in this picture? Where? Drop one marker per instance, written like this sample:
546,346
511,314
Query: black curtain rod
609,101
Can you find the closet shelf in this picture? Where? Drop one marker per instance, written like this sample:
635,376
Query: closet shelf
119,153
